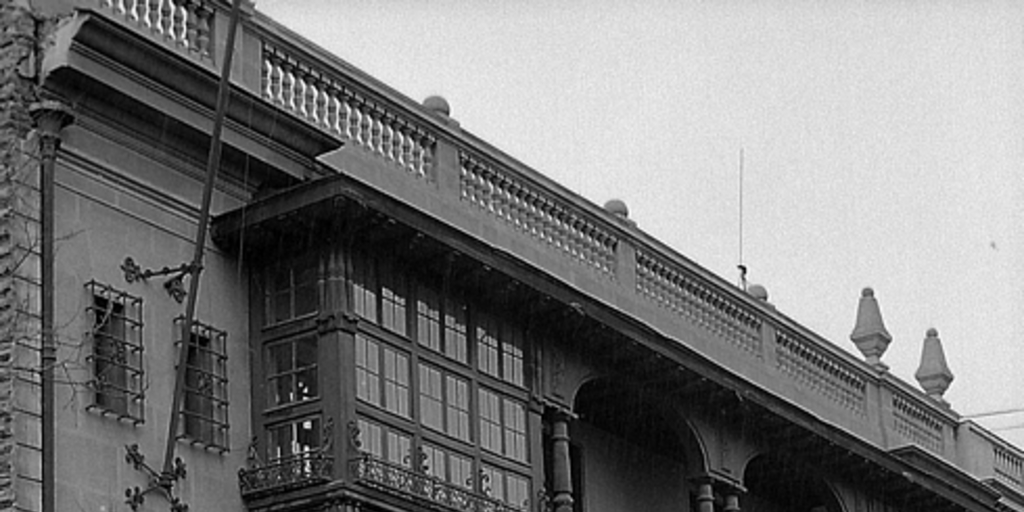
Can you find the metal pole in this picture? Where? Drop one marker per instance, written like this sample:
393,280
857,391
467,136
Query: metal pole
196,268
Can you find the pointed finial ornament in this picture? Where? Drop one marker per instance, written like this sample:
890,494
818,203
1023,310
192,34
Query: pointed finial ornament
869,333
933,374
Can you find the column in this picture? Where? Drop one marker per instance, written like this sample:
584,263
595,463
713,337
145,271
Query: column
732,501
705,497
561,465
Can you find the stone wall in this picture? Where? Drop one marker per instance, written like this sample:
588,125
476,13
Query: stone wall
20,450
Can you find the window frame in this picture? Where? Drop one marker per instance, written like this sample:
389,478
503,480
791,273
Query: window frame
214,419
117,355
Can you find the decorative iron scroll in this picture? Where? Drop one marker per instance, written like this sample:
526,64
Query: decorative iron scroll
407,483
293,472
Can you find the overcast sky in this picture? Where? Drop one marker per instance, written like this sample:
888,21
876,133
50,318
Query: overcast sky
882,143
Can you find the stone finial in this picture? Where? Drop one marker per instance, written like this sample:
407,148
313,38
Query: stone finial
617,207
438,105
758,292
869,333
933,374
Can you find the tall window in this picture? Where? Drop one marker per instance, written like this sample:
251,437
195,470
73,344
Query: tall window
505,486
364,288
444,402
502,425
292,371
446,465
291,290
293,438
116,334
205,408
371,375
444,334
384,442
392,298
499,349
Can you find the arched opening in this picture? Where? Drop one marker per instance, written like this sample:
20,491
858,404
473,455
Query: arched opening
627,452
779,484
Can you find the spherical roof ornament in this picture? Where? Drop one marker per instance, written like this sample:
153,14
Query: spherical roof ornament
438,105
617,207
758,292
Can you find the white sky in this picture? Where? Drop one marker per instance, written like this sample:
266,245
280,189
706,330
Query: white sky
882,140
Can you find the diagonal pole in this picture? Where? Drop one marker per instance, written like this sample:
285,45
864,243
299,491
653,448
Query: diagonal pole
196,268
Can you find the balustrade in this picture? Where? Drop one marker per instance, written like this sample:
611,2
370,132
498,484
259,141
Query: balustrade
183,23
811,367
334,107
916,424
1008,466
541,216
673,288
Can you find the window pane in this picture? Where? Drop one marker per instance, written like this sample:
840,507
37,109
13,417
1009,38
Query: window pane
280,356
305,352
455,330
430,398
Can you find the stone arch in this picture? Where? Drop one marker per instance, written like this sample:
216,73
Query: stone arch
777,483
659,427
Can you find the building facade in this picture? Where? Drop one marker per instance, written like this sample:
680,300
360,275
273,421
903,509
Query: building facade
393,314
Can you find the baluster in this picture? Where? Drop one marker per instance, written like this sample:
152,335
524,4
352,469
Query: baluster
417,154
116,6
407,145
354,119
299,91
515,213
397,141
375,130
344,112
428,155
266,78
203,15
180,29
365,123
288,86
387,136
153,15
167,18
192,27
324,104
332,108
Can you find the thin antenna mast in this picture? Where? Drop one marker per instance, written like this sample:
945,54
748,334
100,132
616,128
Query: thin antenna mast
741,266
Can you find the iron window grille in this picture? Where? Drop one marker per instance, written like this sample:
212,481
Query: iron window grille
115,339
204,411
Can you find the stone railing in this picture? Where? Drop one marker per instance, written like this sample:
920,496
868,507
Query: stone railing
546,218
915,423
185,24
805,362
674,287
328,101
1008,466
286,474
407,483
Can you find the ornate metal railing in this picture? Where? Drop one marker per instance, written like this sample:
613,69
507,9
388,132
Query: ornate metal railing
285,474
405,482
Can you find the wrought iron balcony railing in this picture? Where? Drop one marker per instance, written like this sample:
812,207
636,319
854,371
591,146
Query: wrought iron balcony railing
286,474
405,482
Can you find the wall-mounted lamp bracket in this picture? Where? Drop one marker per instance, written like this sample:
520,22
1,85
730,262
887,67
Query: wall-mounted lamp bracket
158,482
175,286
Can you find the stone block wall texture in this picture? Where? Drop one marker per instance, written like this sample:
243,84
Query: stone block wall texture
19,271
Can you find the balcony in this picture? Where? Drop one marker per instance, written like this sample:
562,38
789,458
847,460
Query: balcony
406,483
285,474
